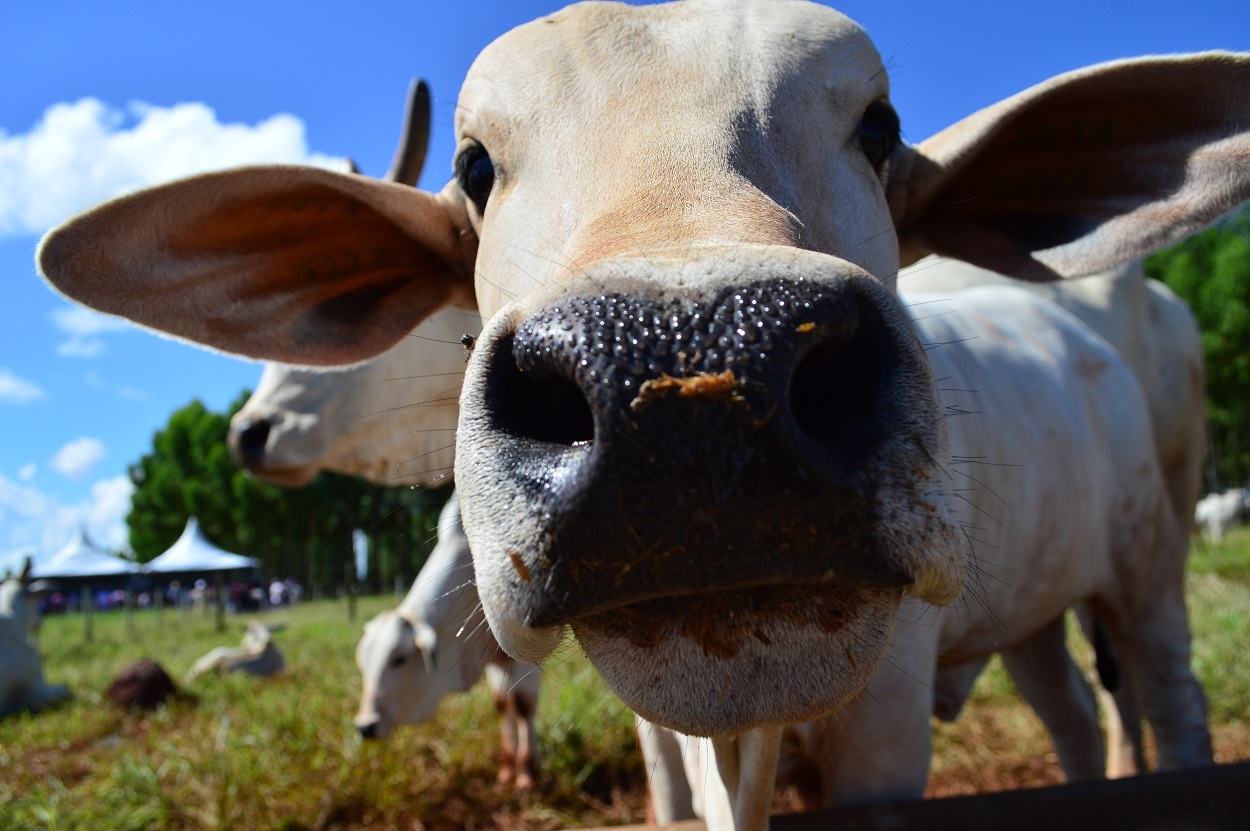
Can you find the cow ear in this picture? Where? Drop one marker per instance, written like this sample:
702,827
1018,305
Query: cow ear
284,263
1083,172
427,642
27,567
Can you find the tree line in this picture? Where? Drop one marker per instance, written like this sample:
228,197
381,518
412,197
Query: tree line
305,533
1211,272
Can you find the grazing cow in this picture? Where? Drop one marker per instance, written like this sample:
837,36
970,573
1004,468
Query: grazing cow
258,655
1217,513
22,686
436,643
698,428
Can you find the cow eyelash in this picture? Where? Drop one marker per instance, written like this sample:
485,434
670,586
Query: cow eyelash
878,133
475,173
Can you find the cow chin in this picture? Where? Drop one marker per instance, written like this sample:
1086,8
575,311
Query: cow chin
727,662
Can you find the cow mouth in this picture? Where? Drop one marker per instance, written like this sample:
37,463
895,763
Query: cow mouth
727,661
283,477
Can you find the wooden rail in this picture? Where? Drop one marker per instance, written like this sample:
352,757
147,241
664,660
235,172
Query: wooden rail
1208,799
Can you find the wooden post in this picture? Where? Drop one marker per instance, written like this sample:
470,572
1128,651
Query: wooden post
130,612
87,602
158,598
349,578
221,603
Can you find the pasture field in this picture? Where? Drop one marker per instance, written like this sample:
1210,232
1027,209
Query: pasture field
245,753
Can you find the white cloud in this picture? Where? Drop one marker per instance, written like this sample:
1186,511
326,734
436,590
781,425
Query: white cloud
76,458
15,390
83,326
30,518
28,471
123,391
84,152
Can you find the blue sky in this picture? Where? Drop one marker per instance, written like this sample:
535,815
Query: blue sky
100,98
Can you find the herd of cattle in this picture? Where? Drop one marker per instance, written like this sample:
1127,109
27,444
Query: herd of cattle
788,501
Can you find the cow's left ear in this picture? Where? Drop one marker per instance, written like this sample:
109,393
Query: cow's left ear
1083,172
282,263
427,644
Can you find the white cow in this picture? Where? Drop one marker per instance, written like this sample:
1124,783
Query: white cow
22,685
437,643
1217,513
698,428
257,655
400,429
1157,335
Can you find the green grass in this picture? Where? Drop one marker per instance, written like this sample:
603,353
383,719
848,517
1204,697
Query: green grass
282,753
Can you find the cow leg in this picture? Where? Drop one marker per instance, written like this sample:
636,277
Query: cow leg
1126,754
739,798
1054,686
878,746
954,684
515,690
668,791
498,678
523,706
1155,647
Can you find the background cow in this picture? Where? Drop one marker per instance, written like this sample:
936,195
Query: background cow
22,685
257,655
698,429
437,643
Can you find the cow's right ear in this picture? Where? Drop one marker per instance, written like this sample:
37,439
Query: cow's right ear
284,263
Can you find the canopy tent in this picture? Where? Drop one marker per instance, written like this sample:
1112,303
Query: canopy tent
81,558
193,553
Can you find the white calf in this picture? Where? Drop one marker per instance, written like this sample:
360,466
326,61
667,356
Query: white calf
437,643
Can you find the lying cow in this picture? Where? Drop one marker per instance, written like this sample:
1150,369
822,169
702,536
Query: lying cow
1218,513
22,685
437,643
698,428
258,655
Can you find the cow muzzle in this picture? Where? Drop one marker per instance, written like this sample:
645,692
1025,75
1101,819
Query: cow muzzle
700,451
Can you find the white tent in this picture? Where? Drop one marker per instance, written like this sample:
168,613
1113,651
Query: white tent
193,552
82,558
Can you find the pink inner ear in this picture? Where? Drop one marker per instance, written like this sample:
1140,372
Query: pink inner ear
1083,172
291,264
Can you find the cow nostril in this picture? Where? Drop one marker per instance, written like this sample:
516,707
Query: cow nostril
544,408
252,440
836,391
368,731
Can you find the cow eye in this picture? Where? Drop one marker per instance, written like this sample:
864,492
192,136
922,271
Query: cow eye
475,173
398,660
878,133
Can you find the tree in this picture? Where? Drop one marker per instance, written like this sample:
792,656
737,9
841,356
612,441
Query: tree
1211,272
305,533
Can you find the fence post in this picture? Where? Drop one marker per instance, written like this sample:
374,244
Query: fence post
87,602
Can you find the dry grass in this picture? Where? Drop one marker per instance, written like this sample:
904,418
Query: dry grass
282,754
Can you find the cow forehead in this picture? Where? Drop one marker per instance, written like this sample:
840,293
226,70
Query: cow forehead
699,57
619,131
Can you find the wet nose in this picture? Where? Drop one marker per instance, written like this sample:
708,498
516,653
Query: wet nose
740,420
247,441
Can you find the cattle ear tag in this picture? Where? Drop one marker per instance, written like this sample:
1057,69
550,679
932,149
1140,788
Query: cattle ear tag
427,642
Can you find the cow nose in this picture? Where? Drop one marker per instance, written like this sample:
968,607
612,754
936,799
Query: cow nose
742,419
247,441
368,731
